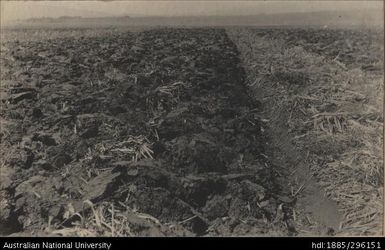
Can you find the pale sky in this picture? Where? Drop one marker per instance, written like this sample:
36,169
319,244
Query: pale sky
12,10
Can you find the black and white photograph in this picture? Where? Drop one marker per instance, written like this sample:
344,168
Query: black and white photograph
192,119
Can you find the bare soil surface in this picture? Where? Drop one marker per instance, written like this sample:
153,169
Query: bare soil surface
157,126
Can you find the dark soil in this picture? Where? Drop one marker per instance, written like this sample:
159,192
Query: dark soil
159,121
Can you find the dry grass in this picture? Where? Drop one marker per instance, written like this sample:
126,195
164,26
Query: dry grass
165,96
133,148
340,108
101,220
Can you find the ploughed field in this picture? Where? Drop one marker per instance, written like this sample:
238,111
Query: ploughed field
191,132
133,134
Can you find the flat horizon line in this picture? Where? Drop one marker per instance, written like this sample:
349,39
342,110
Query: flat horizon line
191,16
